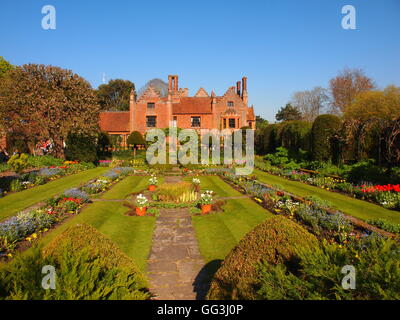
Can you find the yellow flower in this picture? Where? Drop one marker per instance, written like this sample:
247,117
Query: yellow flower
34,236
9,255
28,239
45,229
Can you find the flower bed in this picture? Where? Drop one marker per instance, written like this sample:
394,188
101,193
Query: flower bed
314,214
40,177
29,225
387,196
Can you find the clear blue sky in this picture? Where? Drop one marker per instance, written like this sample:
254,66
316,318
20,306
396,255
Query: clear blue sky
282,46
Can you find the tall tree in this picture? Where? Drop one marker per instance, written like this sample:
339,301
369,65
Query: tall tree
288,113
261,123
115,95
46,102
5,66
346,86
375,105
310,103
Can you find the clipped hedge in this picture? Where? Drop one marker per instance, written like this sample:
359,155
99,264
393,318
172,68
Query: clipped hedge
269,138
322,131
271,242
296,135
87,265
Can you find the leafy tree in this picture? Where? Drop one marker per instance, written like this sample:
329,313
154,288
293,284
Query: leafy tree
46,102
81,147
346,86
103,140
375,105
5,66
261,123
288,113
115,95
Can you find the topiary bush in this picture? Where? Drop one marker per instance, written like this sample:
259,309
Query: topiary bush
271,242
88,267
81,148
135,139
322,131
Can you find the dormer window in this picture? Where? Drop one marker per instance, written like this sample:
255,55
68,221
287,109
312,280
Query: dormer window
230,104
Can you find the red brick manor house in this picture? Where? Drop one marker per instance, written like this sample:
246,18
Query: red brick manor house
202,111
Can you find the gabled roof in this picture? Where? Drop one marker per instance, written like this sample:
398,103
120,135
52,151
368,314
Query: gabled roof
114,121
193,105
149,93
201,93
250,114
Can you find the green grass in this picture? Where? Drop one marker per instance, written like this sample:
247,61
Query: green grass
18,201
132,234
215,184
357,208
218,233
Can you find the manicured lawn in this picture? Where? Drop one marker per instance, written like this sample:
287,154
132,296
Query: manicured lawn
218,233
132,234
357,208
18,201
215,184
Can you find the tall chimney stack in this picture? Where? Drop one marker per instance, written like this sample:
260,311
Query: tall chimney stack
244,81
176,84
238,90
244,91
170,84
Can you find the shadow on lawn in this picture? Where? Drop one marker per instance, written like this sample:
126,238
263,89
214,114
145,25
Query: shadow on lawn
203,279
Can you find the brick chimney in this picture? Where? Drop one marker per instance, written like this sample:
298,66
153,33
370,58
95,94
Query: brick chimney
244,92
173,84
238,88
132,110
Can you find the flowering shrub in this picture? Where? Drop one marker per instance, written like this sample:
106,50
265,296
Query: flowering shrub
153,180
289,205
196,181
141,201
206,197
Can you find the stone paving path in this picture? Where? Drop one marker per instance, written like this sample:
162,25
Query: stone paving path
175,264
